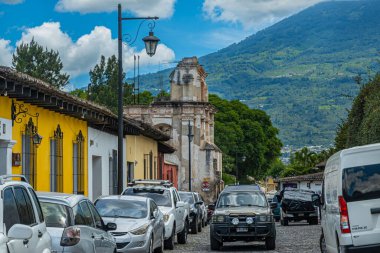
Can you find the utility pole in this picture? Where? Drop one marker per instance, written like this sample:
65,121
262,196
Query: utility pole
190,136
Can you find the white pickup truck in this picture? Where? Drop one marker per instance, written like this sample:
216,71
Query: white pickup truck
176,212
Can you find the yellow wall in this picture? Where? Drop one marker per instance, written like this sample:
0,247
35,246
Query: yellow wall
47,123
137,146
5,107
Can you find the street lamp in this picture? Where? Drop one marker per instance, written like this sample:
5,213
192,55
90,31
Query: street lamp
190,135
243,158
36,138
151,42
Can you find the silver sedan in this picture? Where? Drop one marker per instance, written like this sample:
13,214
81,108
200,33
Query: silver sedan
140,224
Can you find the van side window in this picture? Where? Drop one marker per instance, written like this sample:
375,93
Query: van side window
98,219
37,203
11,215
79,218
25,207
87,214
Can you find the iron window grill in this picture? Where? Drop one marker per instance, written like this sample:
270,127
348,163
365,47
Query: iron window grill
29,153
56,161
78,164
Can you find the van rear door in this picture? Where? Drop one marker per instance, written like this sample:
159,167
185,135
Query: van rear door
361,191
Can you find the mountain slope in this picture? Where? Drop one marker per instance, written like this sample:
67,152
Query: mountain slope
299,70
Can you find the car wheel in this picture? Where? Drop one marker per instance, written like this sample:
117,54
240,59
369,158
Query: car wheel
322,244
285,222
169,243
215,244
200,226
194,226
270,243
161,248
182,236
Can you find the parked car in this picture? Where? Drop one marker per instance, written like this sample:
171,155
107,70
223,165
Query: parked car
351,201
75,225
203,207
299,205
176,215
195,217
242,213
276,206
23,228
140,224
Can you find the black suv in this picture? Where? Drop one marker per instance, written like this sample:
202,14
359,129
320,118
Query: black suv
242,213
195,210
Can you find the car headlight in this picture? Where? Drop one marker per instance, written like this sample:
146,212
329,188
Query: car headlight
141,230
235,221
264,218
218,218
249,220
166,217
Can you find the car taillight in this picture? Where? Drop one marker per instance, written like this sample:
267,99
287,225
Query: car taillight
344,221
70,236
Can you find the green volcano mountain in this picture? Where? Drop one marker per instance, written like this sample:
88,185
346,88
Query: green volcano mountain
301,70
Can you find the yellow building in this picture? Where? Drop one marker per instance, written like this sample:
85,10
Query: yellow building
52,138
143,152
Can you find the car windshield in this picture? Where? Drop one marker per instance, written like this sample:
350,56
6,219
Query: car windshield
187,197
56,215
236,199
160,196
120,208
361,183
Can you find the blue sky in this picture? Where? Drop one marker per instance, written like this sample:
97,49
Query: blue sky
82,30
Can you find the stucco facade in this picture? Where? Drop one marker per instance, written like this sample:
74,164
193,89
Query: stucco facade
47,123
188,104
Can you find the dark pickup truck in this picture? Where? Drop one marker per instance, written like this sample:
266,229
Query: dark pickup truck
299,205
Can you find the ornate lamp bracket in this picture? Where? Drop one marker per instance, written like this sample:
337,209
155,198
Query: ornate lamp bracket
19,111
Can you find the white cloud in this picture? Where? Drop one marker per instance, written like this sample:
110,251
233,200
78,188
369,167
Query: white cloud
5,52
253,14
160,8
11,1
80,56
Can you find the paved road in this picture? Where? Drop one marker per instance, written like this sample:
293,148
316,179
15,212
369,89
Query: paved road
296,238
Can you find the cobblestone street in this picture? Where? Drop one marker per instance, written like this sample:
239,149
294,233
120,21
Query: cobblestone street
296,238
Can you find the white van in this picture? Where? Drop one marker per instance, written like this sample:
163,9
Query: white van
351,201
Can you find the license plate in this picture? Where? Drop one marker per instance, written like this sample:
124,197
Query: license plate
241,230
301,214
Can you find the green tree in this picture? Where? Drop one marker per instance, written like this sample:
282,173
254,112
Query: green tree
104,86
32,59
362,125
241,131
276,169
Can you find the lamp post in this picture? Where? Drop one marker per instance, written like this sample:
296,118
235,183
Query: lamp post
151,42
190,135
237,167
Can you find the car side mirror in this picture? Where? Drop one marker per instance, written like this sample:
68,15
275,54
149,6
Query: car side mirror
111,226
211,207
316,200
20,232
273,205
199,203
